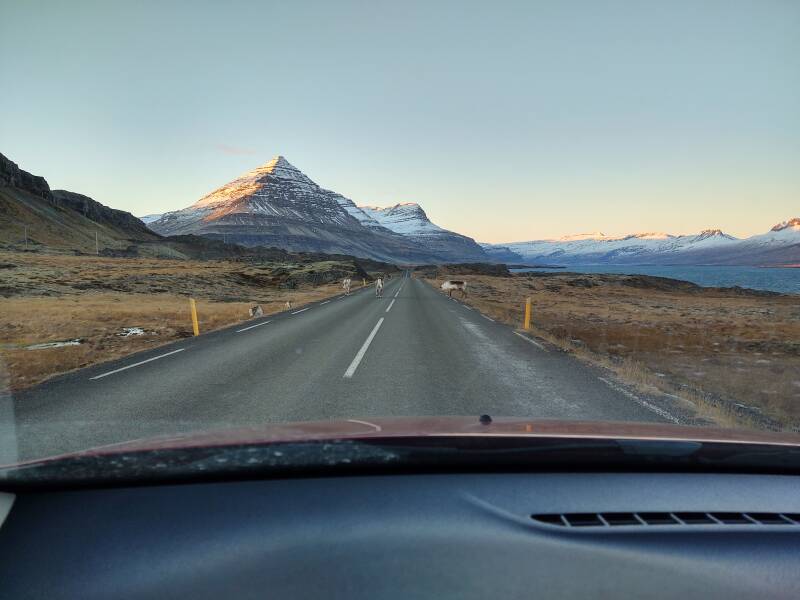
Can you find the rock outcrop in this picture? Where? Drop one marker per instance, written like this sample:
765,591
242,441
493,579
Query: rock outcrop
12,176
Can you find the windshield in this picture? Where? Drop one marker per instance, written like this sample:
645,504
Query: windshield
246,219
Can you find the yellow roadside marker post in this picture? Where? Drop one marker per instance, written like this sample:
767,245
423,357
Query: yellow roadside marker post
527,325
195,325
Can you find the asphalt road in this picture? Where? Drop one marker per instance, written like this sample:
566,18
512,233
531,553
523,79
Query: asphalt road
413,352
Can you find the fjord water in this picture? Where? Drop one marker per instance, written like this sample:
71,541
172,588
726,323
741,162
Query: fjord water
783,280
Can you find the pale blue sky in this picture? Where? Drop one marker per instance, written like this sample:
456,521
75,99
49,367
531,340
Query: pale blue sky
506,121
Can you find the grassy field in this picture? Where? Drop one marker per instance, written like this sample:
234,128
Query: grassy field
50,298
735,354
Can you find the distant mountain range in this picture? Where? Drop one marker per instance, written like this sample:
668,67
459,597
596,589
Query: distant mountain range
779,246
276,208
278,205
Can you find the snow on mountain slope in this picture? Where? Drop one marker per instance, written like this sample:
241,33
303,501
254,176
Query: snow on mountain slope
409,220
712,246
599,248
635,244
787,232
275,189
150,218
359,213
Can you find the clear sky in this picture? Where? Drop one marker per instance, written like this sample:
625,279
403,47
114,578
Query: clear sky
506,121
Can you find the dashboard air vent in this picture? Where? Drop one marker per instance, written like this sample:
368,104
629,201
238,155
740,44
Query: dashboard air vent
644,519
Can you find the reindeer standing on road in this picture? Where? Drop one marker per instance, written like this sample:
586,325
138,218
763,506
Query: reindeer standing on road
379,287
346,286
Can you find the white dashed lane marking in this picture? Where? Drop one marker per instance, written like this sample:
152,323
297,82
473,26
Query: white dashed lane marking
357,360
253,326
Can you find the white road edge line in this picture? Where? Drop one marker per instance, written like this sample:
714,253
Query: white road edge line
297,312
357,360
659,411
488,318
467,307
390,306
326,301
252,326
527,339
137,364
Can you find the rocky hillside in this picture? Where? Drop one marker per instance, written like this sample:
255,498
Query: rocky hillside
99,213
34,217
278,205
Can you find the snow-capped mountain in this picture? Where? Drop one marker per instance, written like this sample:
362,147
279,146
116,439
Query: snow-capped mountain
409,219
781,245
604,248
150,218
784,233
278,205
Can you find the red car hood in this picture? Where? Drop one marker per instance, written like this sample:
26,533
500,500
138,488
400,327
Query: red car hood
421,427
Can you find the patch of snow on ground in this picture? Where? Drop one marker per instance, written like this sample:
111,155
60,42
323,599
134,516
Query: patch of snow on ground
60,344
129,331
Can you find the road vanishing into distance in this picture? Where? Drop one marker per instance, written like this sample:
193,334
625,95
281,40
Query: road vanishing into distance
414,352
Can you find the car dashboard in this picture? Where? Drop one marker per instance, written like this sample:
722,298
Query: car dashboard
461,535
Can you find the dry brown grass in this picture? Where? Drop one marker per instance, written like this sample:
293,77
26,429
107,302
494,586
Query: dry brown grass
55,298
735,355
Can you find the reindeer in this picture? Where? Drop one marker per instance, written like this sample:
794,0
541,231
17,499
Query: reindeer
346,286
379,288
453,284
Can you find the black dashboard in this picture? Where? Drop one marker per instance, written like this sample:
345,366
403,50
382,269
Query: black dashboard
660,535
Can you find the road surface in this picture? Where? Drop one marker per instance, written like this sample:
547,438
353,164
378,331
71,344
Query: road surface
413,352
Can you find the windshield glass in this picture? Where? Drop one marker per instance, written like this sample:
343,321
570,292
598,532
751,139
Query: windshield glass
222,219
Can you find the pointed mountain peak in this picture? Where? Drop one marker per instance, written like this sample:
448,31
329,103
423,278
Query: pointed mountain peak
277,166
791,223
276,161
277,171
716,235
408,207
